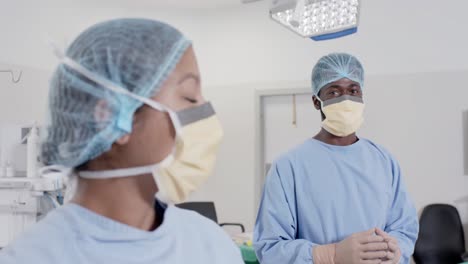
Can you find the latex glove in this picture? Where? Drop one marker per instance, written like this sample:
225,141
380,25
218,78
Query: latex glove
394,253
359,248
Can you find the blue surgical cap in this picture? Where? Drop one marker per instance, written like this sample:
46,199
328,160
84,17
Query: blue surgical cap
336,66
85,119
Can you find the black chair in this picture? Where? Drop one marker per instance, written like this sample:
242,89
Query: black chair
208,210
441,238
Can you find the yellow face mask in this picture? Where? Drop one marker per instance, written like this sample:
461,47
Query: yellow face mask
198,135
194,156
343,115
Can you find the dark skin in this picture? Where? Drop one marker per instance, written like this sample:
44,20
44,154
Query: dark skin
333,90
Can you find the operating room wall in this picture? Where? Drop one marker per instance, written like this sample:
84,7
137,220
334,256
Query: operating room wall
22,103
239,50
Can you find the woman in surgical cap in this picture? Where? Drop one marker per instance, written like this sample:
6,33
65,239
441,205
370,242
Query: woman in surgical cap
129,124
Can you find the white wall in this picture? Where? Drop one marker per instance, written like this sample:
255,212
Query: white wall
240,50
23,102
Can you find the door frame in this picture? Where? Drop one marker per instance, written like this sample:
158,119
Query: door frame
259,162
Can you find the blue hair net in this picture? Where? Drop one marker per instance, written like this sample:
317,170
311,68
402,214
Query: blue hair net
85,119
336,66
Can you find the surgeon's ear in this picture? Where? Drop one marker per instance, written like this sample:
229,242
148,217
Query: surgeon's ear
123,140
316,102
137,120
102,114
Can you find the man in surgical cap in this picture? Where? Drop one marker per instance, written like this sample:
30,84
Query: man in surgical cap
124,92
337,198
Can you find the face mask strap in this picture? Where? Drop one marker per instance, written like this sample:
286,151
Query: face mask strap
320,100
104,82
125,172
118,173
175,122
117,89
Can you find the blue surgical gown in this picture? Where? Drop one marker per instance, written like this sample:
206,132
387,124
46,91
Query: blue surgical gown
319,194
75,235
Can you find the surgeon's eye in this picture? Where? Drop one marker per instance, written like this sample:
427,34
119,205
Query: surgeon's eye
193,101
334,93
355,91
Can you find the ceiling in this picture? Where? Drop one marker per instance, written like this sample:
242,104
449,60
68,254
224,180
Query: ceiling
184,3
167,4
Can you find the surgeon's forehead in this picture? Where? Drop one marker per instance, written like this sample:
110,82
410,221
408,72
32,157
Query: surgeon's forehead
344,82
